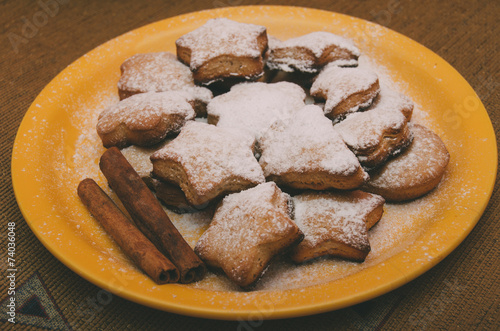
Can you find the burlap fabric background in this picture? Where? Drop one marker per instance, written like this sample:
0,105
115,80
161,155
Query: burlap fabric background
462,292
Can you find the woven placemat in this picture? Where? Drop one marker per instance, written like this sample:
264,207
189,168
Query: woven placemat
461,292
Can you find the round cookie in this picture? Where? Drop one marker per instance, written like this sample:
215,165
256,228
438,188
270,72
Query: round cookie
413,173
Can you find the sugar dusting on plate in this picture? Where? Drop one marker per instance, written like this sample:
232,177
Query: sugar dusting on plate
396,231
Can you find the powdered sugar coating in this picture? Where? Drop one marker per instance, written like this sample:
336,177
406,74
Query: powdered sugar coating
423,161
221,36
242,228
159,72
211,155
232,229
365,130
140,111
340,83
253,107
390,99
403,223
306,142
273,42
340,217
317,43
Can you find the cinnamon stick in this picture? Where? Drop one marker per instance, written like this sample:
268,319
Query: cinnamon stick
127,236
149,216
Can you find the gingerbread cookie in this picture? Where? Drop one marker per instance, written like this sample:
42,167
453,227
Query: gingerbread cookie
248,229
160,72
222,49
413,173
253,107
144,119
206,161
345,90
335,224
311,52
375,134
306,152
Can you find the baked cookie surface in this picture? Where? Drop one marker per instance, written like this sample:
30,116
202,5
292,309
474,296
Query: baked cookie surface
253,107
413,173
376,134
168,194
305,152
247,230
222,48
160,72
345,90
206,161
144,119
335,224
388,98
311,52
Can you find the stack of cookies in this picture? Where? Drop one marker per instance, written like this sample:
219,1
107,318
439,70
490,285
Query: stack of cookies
293,144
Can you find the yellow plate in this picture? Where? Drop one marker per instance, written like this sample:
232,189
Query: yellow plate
56,147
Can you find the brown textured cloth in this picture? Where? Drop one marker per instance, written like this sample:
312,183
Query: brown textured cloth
461,292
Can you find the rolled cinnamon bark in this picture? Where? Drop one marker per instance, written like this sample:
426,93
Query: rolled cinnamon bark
149,216
127,236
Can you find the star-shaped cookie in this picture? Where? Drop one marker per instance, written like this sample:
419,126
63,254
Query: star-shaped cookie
222,48
159,72
345,90
376,134
247,230
253,107
306,152
311,52
335,224
206,161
